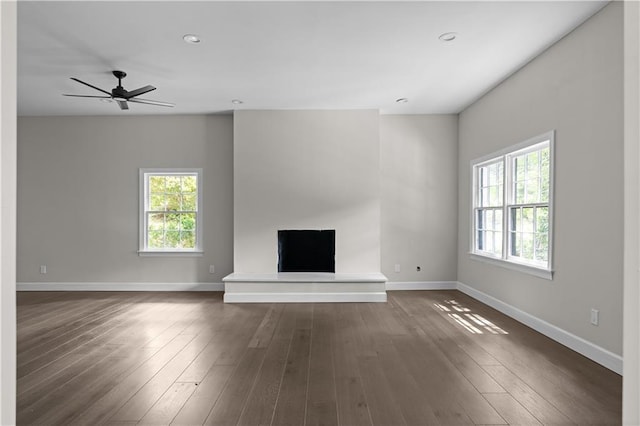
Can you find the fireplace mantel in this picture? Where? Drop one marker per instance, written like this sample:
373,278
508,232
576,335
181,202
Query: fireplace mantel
304,287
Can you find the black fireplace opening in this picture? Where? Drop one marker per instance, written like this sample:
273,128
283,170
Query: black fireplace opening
307,250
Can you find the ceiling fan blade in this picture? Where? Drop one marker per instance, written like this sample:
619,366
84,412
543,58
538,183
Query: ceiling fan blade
87,96
93,87
150,102
122,104
139,91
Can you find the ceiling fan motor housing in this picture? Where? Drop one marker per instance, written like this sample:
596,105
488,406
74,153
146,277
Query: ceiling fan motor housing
119,92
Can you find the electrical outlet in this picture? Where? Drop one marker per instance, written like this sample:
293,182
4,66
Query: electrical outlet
212,269
595,316
43,269
397,267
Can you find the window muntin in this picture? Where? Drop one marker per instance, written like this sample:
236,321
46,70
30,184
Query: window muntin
171,210
512,208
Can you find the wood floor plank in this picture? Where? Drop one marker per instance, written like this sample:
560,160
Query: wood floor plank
231,402
322,408
511,410
416,407
197,408
382,404
169,404
292,398
264,333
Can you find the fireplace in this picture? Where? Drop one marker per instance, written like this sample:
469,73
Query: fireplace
307,250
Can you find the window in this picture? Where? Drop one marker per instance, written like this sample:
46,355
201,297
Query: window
512,206
170,211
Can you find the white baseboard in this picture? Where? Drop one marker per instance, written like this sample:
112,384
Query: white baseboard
71,286
305,297
595,353
422,285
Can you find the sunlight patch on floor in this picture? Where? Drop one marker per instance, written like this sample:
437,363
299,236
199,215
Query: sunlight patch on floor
472,322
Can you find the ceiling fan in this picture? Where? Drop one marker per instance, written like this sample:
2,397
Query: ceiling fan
120,95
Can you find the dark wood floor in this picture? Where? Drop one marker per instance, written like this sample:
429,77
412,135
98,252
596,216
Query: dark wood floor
425,357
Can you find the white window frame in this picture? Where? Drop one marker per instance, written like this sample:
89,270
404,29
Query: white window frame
144,250
506,157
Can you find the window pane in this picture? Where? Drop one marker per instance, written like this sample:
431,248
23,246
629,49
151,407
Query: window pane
493,174
480,240
493,196
189,184
172,239
480,219
484,197
527,220
516,219
189,202
542,219
155,222
188,221
527,246
188,240
519,195
173,202
533,164
544,175
516,243
156,202
156,184
172,222
542,247
173,184
489,242
532,195
519,168
155,239
498,220
488,219
498,243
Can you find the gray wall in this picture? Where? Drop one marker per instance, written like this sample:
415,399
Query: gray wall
419,187
78,196
575,87
306,170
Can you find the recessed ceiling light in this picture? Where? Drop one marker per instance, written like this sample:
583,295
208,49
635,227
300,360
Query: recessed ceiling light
237,102
402,100
447,37
191,38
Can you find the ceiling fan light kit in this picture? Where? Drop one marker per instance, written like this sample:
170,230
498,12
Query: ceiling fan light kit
120,95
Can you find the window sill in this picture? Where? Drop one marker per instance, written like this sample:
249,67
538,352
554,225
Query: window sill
167,253
527,269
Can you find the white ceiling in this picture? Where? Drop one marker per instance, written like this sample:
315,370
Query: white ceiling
280,55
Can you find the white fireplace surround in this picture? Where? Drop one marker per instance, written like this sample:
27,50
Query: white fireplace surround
306,170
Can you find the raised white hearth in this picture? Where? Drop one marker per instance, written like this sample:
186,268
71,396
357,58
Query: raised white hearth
304,287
